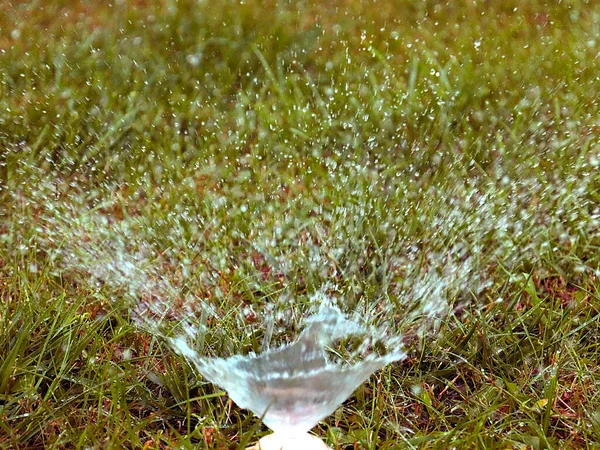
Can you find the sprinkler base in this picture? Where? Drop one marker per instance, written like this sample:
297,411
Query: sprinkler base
281,441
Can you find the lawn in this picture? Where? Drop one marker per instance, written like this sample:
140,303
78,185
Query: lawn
431,167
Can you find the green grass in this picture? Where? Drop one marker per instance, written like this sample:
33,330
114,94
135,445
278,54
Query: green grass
249,155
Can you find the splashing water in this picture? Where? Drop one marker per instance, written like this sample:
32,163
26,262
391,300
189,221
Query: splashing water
299,377
295,386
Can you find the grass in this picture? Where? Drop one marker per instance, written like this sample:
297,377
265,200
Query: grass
250,155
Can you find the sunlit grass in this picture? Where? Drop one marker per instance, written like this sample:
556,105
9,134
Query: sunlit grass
251,154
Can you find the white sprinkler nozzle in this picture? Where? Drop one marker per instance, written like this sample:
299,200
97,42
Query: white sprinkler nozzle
281,441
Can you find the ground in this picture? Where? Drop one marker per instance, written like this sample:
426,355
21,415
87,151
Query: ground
432,166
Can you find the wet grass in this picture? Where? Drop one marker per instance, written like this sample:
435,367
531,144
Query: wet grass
250,154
